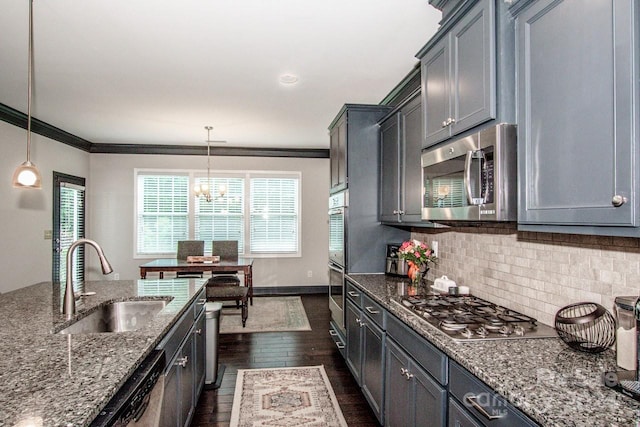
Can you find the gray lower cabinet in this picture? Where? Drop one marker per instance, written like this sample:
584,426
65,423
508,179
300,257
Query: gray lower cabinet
413,397
476,404
365,350
578,121
401,171
185,350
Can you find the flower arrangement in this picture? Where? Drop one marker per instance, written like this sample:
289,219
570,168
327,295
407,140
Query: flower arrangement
418,255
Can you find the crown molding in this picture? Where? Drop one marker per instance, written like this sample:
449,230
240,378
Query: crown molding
17,118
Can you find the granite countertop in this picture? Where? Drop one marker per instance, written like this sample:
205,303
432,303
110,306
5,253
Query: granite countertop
543,377
50,379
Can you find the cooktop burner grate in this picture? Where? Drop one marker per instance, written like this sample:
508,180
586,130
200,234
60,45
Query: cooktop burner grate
469,318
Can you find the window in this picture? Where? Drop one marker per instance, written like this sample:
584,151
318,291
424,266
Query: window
68,226
223,217
260,210
162,216
274,215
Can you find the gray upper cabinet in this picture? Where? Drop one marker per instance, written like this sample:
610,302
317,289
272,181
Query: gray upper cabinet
577,68
351,135
459,73
401,173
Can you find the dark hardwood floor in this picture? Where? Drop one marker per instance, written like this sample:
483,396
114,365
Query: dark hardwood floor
281,349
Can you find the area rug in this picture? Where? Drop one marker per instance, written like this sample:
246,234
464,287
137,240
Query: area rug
285,397
267,314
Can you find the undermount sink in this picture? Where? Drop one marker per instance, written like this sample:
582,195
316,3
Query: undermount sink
121,316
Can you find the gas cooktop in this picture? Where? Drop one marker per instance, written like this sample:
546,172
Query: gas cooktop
468,318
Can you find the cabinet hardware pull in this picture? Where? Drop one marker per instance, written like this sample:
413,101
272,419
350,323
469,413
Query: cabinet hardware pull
198,331
353,294
332,333
408,375
618,200
340,345
183,361
472,401
444,124
403,371
395,212
452,121
371,310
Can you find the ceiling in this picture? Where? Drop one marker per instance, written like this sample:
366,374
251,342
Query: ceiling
159,71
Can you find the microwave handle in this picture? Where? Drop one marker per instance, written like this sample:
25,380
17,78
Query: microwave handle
467,179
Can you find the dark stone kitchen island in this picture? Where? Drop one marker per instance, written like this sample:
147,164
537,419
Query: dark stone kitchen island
51,379
542,377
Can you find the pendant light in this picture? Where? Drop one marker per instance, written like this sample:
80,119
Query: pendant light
202,190
27,175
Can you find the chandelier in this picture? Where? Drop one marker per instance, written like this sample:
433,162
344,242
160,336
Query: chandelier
203,191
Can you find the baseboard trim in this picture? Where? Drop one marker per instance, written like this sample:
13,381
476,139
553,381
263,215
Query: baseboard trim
291,290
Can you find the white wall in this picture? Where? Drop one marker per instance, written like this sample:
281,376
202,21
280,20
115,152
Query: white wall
25,214
111,212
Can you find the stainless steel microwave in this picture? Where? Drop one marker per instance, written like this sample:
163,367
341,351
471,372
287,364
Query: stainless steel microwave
473,178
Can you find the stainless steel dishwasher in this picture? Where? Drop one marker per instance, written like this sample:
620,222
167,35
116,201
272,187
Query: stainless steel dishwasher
139,401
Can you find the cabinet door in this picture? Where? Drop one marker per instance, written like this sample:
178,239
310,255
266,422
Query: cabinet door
436,90
576,95
390,169
186,374
398,403
473,80
411,203
200,355
354,340
429,400
338,154
372,365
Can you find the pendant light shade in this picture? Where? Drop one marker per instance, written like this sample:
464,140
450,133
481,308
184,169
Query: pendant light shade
27,175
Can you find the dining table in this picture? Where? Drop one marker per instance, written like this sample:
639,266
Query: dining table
163,265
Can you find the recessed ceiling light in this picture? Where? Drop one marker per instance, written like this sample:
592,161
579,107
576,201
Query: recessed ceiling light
288,79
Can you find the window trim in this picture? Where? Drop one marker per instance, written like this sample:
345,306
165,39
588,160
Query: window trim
192,174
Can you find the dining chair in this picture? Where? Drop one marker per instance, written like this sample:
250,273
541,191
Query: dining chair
226,287
227,250
190,248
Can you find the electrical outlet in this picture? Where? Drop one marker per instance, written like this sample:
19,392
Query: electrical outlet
48,234
434,247
309,273
116,276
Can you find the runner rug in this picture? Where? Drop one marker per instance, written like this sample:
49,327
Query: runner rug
285,397
267,314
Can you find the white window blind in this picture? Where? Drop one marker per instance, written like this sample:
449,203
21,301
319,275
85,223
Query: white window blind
223,217
162,212
274,214
71,229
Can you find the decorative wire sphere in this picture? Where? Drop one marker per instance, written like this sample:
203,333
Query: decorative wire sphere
586,326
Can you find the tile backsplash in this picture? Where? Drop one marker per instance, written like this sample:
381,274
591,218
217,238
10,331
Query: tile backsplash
536,273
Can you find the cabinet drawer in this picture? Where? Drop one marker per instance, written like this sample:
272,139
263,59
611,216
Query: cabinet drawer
459,417
353,293
373,310
172,341
430,358
487,406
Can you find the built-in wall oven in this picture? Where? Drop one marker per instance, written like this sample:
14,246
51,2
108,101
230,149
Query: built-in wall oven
337,213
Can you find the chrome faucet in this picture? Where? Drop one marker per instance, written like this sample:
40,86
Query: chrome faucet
69,305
